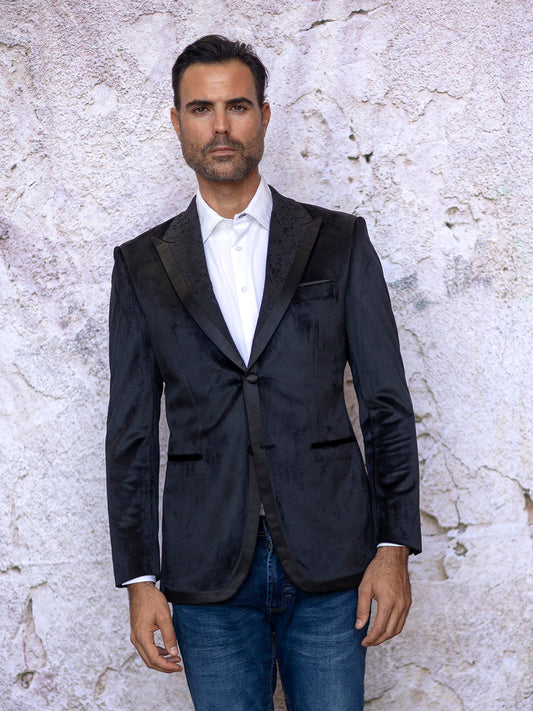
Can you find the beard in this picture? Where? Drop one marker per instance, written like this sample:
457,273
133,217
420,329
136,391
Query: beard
227,168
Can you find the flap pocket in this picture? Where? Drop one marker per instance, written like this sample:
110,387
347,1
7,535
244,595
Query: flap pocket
333,442
319,289
337,449
193,457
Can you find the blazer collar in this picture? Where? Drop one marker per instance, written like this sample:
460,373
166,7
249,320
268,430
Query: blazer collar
182,253
292,236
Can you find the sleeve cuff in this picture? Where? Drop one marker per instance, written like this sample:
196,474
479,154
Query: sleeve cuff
392,545
141,579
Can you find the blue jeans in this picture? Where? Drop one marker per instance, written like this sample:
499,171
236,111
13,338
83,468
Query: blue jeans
229,649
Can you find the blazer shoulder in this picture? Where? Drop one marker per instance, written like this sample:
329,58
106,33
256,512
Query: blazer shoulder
329,216
343,228
145,238
340,226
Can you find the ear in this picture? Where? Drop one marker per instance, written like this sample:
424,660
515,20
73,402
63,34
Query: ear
175,118
265,110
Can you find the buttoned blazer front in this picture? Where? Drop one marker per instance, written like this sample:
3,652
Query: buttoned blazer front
275,430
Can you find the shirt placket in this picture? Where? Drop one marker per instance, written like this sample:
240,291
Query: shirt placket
245,292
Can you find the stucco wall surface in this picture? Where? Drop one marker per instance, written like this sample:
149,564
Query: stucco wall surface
417,115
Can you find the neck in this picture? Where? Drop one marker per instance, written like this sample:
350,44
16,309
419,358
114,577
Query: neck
229,198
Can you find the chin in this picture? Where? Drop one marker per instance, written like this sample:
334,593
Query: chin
230,174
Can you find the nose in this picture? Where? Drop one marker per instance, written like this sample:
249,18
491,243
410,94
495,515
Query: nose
221,123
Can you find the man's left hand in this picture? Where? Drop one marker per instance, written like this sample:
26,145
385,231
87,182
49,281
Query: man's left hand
385,580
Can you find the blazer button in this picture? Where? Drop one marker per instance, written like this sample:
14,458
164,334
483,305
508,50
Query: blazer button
252,378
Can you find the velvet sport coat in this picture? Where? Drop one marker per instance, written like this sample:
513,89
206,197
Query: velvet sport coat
275,430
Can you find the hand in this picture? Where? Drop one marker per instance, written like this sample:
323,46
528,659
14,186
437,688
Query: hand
149,612
385,580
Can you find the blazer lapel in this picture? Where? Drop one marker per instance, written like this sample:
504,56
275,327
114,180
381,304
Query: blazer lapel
182,253
292,236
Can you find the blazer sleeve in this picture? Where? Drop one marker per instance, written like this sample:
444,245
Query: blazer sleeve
385,408
132,441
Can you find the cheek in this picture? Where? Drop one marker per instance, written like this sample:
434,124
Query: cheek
193,133
192,142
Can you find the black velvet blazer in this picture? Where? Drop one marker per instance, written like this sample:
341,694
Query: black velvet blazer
275,431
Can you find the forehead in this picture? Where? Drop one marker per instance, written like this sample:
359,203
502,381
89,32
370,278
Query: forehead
217,82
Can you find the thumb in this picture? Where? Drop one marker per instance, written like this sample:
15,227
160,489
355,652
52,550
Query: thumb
363,606
169,635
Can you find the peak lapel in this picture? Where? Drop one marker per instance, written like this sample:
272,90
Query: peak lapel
182,253
292,236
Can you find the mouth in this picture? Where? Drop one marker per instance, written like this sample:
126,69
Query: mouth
218,148
222,151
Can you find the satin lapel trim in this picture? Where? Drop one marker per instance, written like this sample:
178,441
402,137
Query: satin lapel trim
182,254
292,236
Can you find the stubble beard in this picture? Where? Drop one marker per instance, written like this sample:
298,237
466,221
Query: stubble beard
223,168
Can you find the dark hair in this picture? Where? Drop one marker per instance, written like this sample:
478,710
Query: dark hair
213,49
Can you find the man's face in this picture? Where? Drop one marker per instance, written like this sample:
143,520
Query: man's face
220,124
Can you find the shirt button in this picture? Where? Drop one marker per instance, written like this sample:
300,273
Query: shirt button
238,248
244,289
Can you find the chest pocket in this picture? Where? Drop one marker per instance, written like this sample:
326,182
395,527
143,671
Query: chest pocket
319,289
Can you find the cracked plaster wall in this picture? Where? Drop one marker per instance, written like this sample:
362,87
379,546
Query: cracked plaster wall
416,115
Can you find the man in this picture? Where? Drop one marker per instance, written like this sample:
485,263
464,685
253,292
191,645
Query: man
245,308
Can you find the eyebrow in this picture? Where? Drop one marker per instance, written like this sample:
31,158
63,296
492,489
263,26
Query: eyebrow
202,102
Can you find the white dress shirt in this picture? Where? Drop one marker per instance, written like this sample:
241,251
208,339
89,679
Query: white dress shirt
236,253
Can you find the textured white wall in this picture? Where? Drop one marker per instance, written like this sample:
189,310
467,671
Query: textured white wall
415,114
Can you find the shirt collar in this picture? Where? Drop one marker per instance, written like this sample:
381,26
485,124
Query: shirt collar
259,207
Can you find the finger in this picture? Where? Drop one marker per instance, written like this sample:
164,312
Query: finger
389,623
165,653
140,650
164,663
380,625
402,605
381,633
394,626
152,658
168,634
404,611
363,607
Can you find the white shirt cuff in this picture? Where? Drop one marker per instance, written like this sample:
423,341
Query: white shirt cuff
141,579
392,545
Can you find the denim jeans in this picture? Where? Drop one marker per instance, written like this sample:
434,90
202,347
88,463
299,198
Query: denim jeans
229,649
